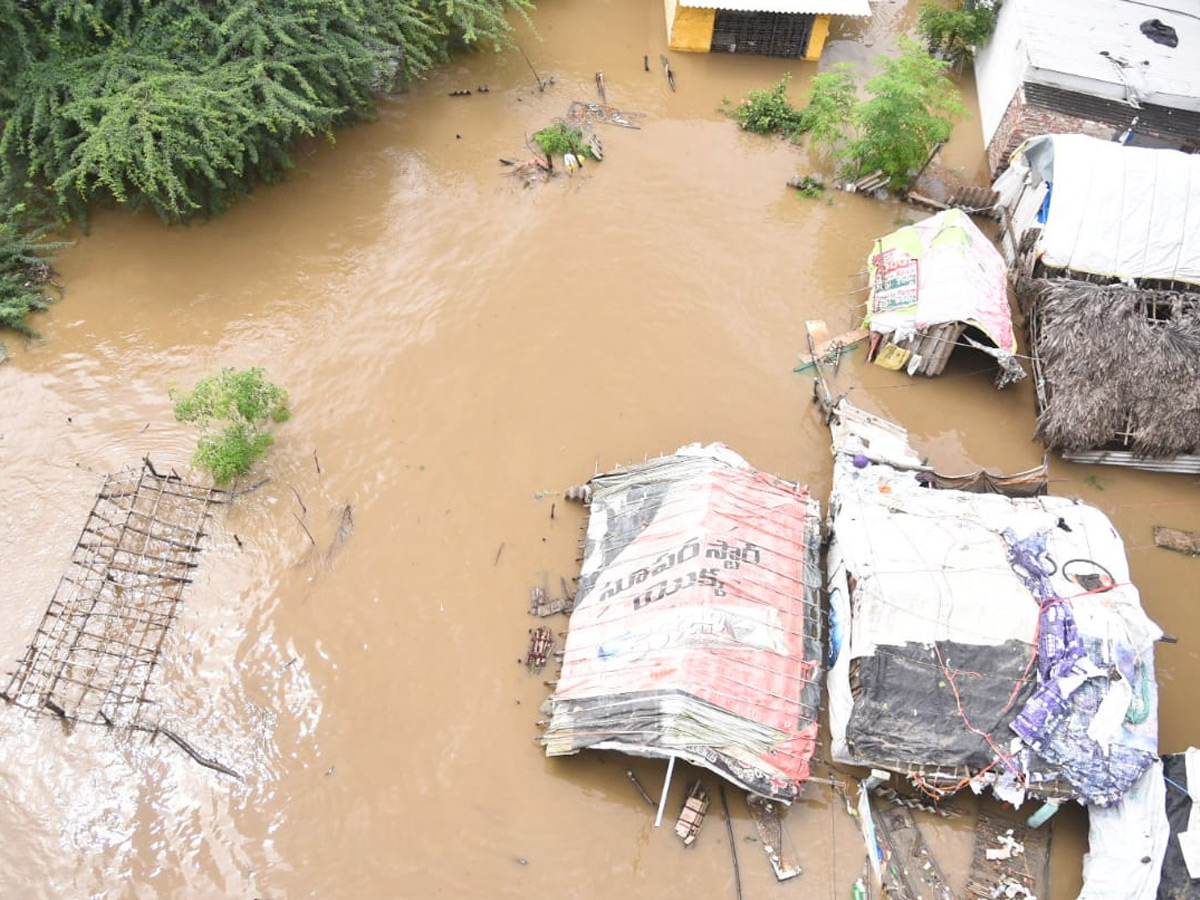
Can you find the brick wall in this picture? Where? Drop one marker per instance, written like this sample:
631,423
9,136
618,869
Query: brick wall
1023,120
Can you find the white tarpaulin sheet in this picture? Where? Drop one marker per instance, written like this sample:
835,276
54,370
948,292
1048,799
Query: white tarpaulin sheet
940,599
696,628
937,271
1127,842
1120,211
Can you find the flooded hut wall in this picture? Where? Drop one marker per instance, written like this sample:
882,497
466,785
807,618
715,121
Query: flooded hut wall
689,28
784,28
789,35
1117,367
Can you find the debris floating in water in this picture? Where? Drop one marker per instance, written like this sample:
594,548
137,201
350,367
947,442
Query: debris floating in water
580,493
691,817
541,642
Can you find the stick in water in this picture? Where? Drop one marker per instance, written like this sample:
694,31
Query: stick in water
641,790
737,872
541,84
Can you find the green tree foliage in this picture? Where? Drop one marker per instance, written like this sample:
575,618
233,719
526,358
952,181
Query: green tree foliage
952,33
560,139
831,101
24,269
234,412
180,105
911,106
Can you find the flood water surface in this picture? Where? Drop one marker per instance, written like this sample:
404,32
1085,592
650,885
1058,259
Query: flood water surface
459,349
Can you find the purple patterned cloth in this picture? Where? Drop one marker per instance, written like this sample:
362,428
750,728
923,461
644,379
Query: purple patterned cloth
1054,721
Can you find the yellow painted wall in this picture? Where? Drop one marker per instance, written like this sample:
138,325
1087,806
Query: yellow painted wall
816,43
689,28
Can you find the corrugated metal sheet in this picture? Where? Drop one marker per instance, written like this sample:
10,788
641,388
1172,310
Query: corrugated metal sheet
818,7
1076,43
1182,464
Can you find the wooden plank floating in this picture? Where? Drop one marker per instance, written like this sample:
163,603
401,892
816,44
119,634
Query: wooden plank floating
541,642
910,871
766,816
827,348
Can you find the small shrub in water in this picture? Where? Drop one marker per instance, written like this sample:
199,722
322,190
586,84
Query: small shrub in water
234,411
768,111
560,139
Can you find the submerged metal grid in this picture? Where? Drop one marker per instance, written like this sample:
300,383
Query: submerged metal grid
94,652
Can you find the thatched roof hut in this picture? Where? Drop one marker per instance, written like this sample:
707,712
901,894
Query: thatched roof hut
1117,371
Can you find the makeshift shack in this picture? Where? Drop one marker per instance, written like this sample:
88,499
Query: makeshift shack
978,638
696,628
1076,206
1106,240
935,286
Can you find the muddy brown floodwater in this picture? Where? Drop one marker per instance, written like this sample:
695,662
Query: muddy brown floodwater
458,349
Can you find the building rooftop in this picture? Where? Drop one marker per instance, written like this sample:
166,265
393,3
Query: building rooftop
819,7
1103,48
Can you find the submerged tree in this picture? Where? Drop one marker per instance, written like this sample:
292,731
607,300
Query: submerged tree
911,107
179,106
831,102
234,411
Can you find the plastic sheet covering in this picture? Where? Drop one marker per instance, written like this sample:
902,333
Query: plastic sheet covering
1119,211
953,612
1181,777
1126,843
938,271
696,628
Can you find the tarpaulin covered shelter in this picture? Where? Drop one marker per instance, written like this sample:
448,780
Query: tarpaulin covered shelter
696,628
931,282
980,637
1088,207
1106,244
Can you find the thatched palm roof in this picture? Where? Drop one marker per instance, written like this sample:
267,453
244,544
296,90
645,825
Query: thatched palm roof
1117,366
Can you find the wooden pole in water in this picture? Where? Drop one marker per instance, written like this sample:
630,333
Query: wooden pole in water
662,801
737,872
541,84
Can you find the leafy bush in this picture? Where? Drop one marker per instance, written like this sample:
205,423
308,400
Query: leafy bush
24,268
953,33
560,139
234,411
768,111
